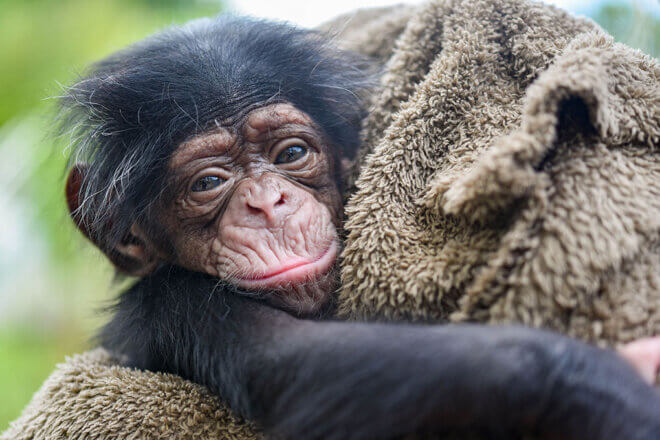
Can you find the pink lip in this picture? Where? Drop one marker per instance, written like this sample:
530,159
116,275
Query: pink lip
295,272
285,269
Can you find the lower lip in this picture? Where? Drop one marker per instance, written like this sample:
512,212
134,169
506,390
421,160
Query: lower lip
296,274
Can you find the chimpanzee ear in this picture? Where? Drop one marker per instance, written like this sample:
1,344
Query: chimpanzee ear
73,184
135,255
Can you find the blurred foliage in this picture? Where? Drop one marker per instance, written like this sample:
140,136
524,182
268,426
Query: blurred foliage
42,41
51,280
631,25
27,358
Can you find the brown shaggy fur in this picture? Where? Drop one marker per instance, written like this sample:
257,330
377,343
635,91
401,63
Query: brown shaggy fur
510,173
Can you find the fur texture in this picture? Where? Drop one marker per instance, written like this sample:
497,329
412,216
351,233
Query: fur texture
510,174
125,403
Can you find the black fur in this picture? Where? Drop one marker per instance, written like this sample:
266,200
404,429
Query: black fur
337,380
135,107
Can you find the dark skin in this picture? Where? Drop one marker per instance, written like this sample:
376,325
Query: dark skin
255,203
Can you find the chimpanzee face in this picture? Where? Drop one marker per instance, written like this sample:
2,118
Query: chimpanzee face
256,203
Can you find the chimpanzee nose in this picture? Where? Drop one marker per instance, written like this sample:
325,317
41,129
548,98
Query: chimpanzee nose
265,202
264,197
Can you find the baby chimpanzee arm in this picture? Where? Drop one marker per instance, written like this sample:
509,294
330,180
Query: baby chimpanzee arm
352,380
335,380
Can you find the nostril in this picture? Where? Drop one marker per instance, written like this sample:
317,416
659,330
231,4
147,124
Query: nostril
263,205
253,209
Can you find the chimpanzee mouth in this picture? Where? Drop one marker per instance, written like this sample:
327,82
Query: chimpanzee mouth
295,272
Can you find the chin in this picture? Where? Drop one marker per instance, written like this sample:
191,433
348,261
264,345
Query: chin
308,298
301,286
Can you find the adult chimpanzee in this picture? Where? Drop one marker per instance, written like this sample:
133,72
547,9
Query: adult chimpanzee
212,160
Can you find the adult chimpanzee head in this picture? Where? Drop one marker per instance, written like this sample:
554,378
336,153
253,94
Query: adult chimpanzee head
216,146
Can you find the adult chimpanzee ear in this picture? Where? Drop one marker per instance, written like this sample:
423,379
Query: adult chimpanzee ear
134,255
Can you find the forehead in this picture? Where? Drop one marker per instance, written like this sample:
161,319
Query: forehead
256,124
264,119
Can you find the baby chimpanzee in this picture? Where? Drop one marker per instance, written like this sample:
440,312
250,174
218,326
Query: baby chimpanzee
209,158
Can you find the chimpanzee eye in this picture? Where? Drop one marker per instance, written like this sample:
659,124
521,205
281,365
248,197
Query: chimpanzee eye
207,183
291,154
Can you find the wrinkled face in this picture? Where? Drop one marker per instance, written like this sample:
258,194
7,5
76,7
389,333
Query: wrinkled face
255,203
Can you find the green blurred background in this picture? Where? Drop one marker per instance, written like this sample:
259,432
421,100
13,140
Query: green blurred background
53,285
